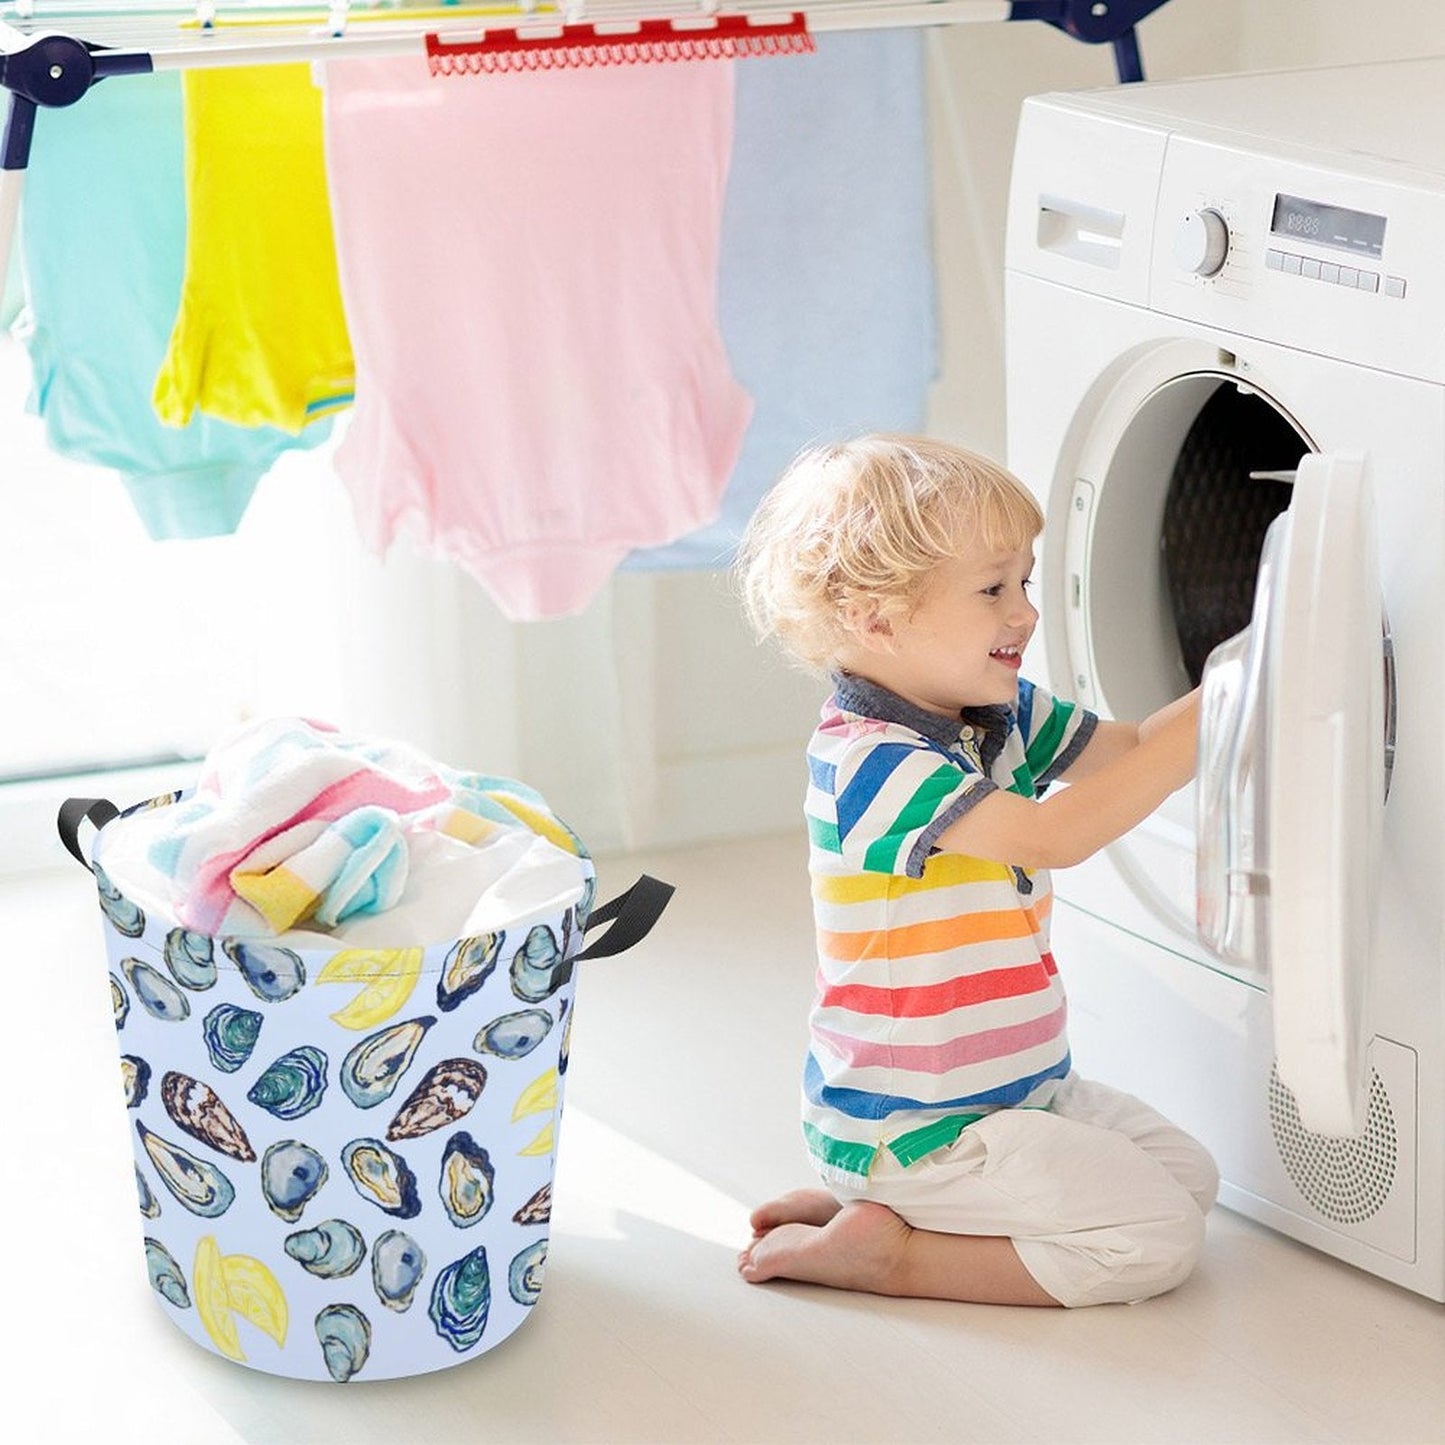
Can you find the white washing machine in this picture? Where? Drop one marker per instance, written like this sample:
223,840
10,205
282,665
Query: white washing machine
1226,385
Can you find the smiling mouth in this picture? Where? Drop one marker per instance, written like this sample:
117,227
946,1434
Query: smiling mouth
1009,656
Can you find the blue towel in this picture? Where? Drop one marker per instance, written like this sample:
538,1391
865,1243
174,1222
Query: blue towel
102,245
826,283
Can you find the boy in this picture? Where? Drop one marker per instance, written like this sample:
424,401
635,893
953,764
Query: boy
964,1158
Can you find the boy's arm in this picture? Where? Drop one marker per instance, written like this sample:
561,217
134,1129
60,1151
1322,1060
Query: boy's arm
1133,771
1111,740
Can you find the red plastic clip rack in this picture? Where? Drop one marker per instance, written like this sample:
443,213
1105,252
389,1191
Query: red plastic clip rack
729,37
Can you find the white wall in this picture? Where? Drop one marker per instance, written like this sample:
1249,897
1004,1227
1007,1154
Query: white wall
653,718
1285,34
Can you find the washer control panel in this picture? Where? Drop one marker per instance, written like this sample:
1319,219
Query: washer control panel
1341,259
1312,268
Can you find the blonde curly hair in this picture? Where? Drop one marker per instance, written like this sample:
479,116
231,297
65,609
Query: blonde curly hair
855,529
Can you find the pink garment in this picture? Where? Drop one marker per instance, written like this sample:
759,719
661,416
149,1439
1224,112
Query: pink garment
529,267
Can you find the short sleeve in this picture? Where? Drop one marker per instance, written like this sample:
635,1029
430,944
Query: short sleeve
1054,732
893,796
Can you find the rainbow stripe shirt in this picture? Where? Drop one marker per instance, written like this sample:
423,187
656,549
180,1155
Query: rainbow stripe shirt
937,997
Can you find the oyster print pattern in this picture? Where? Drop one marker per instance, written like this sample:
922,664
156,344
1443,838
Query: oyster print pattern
343,1159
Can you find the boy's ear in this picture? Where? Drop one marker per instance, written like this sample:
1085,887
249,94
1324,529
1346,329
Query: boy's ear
868,627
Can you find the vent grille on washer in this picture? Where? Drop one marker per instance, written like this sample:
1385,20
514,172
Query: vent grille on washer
1346,1180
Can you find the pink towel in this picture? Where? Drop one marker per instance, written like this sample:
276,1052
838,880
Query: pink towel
529,267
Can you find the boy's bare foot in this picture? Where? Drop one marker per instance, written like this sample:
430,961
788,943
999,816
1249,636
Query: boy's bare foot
807,1235
798,1206
855,1246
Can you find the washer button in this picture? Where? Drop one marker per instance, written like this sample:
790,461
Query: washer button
1394,285
1274,260
1291,264
1310,267
1330,272
1349,276
1369,281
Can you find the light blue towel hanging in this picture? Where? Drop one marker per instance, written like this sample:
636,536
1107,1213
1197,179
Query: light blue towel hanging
826,285
102,245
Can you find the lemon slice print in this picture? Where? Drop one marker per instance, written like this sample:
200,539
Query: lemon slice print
213,1302
539,1097
389,976
542,1144
227,1285
255,1294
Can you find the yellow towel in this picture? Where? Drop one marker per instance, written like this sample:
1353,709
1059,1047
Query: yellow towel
260,338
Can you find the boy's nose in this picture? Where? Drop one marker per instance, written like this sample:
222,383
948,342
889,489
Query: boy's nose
1023,612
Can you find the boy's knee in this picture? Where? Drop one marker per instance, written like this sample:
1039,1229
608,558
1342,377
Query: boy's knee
1159,1255
1180,1246
1203,1183
1170,1248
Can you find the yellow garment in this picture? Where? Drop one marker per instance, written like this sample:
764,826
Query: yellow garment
260,338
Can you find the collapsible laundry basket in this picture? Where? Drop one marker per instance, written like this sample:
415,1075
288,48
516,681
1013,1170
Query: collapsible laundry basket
345,1157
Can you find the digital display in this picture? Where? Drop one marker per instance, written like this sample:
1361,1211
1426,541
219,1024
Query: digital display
1357,232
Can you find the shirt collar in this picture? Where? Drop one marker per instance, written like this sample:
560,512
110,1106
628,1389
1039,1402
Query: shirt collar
868,699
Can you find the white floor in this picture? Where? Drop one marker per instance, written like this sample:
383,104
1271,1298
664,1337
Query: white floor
680,1115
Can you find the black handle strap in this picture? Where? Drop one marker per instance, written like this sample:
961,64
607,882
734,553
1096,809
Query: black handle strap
631,914
74,812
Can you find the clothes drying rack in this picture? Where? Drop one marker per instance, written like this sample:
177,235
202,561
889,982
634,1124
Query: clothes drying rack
52,53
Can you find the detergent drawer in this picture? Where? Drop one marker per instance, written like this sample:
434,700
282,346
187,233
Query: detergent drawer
1081,207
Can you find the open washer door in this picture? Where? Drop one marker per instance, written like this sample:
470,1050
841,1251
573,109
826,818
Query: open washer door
1292,787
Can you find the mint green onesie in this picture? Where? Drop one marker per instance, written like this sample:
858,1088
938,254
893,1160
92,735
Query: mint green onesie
102,246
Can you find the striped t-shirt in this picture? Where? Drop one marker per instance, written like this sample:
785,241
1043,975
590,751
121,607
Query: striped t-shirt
937,997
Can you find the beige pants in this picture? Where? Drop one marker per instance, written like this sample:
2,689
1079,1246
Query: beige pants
1103,1197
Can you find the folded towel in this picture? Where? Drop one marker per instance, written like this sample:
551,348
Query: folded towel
358,864
291,822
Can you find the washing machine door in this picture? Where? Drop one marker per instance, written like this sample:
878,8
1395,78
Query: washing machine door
1291,786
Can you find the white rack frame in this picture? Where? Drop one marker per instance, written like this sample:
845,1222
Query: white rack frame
190,36
154,35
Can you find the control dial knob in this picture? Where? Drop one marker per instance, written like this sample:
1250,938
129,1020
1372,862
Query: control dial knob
1201,242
